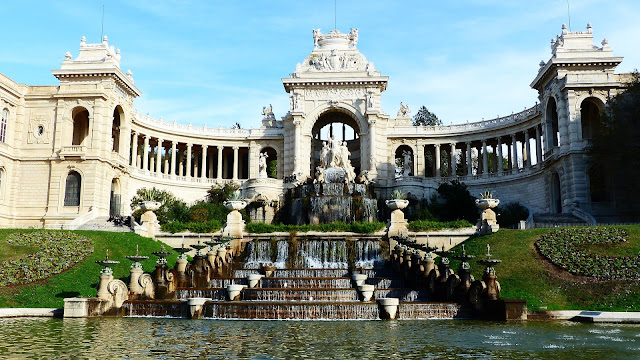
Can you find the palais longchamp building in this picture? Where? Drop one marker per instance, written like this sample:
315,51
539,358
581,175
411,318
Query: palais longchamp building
78,151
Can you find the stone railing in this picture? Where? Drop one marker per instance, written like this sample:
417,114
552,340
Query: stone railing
196,130
184,179
521,116
72,150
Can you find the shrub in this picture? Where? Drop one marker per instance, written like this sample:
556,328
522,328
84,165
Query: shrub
196,227
510,214
423,214
455,203
205,211
219,193
356,227
423,225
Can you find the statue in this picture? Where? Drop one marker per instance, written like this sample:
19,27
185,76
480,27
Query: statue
316,37
335,157
406,163
353,37
324,154
404,110
262,166
267,111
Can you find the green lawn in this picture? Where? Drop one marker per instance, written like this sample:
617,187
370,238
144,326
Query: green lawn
80,280
524,274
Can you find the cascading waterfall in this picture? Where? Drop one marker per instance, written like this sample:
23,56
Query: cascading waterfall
297,311
323,254
259,254
368,254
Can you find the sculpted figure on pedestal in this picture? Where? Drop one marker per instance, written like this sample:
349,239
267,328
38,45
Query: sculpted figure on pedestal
262,165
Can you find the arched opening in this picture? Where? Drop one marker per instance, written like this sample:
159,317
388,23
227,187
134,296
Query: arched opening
114,206
404,161
115,128
2,181
552,128
72,189
339,126
270,162
3,125
80,117
590,117
556,198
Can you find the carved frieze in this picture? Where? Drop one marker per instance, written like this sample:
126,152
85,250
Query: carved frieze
39,129
335,94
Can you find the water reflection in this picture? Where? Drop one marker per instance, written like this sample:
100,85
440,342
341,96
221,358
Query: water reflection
190,339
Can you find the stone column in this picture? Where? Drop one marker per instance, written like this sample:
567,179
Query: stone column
527,150
538,146
235,160
436,160
124,143
509,160
188,170
499,157
420,159
180,163
145,152
159,157
485,159
453,160
514,152
372,147
297,139
173,158
469,162
204,161
134,150
220,148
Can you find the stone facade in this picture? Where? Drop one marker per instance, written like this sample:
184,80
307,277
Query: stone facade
78,151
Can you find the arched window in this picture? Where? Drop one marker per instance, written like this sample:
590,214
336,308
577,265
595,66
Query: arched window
589,118
3,125
72,189
80,126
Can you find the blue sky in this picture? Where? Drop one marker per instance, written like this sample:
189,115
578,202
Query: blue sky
219,62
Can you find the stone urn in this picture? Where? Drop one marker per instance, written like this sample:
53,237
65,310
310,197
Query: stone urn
359,279
388,307
487,223
235,204
485,204
254,279
397,204
234,290
366,292
235,225
150,205
397,224
150,225
222,253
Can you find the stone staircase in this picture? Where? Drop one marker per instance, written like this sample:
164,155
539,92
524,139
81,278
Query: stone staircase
556,220
102,223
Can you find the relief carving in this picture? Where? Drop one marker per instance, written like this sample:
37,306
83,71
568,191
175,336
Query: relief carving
39,129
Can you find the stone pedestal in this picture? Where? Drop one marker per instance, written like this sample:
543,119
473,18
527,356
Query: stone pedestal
134,281
103,291
76,307
398,224
487,223
235,225
150,225
181,266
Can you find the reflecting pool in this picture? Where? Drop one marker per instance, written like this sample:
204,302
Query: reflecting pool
163,338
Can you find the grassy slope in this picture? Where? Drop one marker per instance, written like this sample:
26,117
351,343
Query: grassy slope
524,274
82,279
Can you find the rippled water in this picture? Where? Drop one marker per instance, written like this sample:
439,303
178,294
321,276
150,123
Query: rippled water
134,338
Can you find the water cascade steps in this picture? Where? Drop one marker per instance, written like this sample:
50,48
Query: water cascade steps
323,291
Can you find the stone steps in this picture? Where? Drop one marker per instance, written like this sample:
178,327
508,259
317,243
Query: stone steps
102,223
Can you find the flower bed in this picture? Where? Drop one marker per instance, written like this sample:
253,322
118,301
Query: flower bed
57,252
568,249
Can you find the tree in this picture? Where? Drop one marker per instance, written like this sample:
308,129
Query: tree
614,150
424,117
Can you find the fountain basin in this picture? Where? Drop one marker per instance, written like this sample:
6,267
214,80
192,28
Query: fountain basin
254,279
234,291
359,279
366,292
388,307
